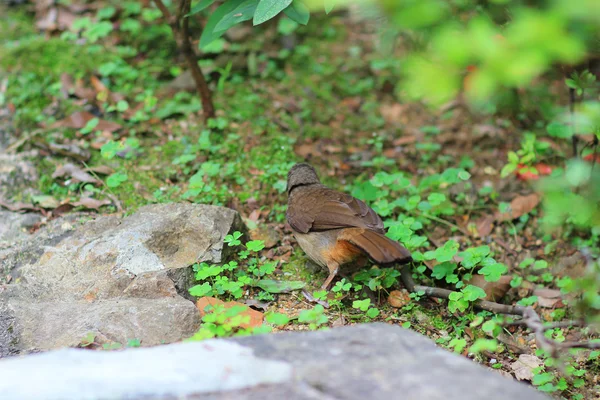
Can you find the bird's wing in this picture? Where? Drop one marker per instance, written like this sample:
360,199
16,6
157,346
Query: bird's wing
320,208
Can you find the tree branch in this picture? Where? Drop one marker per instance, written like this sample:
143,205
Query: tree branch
180,27
530,317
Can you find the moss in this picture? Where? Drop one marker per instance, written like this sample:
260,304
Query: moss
51,56
15,24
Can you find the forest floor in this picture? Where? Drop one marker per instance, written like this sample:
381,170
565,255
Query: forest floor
114,100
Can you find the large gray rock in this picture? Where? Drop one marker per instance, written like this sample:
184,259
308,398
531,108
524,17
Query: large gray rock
117,278
18,175
14,226
375,361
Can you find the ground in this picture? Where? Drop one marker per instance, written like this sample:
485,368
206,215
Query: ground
115,101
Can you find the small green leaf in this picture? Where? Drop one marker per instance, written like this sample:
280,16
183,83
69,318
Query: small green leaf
134,343
493,272
209,33
200,290
255,245
298,11
542,379
273,286
111,148
241,13
329,4
372,312
116,179
89,126
276,318
362,305
472,293
268,9
202,5
556,129
483,345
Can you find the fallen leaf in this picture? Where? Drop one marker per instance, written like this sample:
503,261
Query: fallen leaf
62,209
524,366
18,206
101,169
518,206
273,286
45,201
485,224
70,87
256,317
74,172
494,291
391,113
259,305
353,103
399,298
542,170
91,203
403,140
79,119
548,298
70,150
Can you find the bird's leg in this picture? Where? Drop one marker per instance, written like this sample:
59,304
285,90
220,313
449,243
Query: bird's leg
333,268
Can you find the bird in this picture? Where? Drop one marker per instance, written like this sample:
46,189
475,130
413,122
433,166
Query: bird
334,229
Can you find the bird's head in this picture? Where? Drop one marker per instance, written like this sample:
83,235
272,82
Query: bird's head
301,174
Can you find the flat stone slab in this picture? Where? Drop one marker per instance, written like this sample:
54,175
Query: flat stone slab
369,361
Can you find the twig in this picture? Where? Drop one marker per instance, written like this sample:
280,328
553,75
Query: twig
180,26
530,319
443,221
572,115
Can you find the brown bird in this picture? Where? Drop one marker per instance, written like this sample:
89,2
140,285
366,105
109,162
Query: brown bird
335,229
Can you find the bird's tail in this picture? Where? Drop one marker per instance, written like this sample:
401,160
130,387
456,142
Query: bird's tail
380,248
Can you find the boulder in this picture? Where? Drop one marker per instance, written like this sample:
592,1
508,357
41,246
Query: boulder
369,361
116,278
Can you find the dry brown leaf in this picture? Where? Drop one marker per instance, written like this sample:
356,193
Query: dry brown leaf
391,113
494,290
62,209
74,172
79,119
403,140
485,224
256,317
93,204
76,88
70,150
101,169
518,206
524,366
399,298
548,298
18,206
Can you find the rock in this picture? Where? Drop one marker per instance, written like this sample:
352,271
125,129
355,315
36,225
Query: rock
267,234
369,361
18,175
14,226
118,278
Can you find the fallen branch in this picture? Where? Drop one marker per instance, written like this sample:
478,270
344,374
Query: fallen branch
530,317
180,26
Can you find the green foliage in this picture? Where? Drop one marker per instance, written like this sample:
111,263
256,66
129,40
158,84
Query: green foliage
314,317
233,12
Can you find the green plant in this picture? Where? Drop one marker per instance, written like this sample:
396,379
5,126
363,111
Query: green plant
314,317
